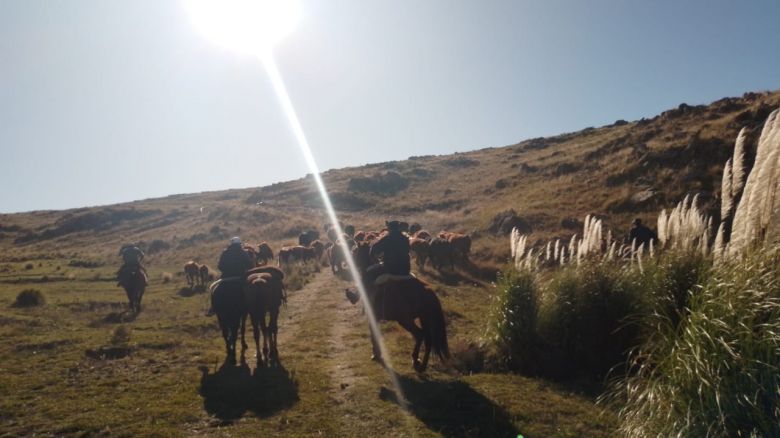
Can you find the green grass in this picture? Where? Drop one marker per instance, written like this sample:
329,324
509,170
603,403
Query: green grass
715,371
171,383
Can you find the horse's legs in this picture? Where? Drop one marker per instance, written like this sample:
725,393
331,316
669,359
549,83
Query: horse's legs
274,330
256,333
242,327
264,327
417,332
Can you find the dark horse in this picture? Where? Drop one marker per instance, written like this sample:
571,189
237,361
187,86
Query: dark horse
227,300
404,301
264,293
133,280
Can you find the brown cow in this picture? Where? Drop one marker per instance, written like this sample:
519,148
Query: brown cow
441,253
422,234
251,252
360,236
289,254
319,249
461,244
264,253
421,250
192,272
414,228
205,274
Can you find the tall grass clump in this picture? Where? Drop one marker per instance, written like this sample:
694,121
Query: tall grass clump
585,317
513,321
716,371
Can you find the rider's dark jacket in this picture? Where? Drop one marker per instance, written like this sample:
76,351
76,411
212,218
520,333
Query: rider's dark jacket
394,248
234,262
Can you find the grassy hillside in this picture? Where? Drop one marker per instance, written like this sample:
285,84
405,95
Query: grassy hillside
616,172
328,386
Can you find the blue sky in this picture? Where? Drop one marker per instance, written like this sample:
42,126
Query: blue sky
104,102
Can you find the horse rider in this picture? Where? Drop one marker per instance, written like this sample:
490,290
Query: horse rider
132,256
233,264
393,247
641,234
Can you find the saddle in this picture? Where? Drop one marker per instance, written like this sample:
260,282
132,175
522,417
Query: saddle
385,278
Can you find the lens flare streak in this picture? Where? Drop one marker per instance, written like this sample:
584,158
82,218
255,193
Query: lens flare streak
300,137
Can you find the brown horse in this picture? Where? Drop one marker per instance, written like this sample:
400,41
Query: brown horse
133,280
404,301
264,293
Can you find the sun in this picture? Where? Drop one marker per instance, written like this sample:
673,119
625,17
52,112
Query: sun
250,27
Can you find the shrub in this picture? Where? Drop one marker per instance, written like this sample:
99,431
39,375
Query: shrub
716,371
29,298
584,317
28,266
513,320
582,321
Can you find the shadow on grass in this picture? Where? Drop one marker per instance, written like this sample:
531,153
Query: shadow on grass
122,317
452,408
233,391
191,291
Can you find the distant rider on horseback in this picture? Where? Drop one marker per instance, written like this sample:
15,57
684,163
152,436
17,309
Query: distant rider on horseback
393,247
233,264
132,256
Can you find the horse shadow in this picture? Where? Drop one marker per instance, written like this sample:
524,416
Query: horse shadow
232,391
187,292
122,317
452,408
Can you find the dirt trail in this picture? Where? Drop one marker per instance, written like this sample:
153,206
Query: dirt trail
355,384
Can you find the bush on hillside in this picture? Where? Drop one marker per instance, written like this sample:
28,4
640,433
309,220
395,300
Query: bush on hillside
29,298
717,369
582,321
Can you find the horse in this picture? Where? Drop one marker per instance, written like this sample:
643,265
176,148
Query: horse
404,301
192,272
264,293
227,300
133,280
264,253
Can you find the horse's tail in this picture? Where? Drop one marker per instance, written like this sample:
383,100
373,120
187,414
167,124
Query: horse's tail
433,324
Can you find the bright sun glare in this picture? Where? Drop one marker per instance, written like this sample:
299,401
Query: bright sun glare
250,27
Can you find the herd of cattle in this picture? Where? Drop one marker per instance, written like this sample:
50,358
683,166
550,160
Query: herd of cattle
441,250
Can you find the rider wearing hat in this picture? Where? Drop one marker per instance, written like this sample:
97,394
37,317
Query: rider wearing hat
234,261
131,260
233,264
393,247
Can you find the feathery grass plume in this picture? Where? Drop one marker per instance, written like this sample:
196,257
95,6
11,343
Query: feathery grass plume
652,253
662,219
557,250
726,188
738,165
548,252
746,226
718,249
611,251
572,247
639,252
